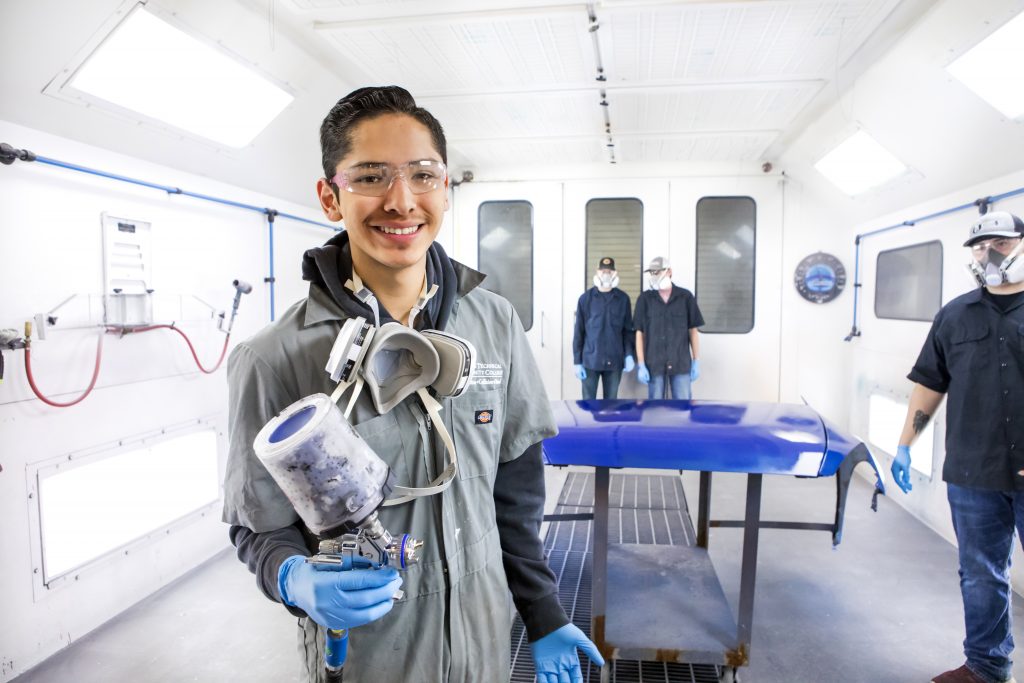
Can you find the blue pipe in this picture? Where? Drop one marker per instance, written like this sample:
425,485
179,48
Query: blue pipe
104,174
270,231
271,214
985,201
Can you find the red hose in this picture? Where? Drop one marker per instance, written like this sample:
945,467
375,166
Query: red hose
99,354
191,348
59,404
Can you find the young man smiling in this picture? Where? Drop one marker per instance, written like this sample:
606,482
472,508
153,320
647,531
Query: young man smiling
385,178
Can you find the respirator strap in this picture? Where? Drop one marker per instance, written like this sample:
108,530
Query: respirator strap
444,480
355,285
340,390
421,302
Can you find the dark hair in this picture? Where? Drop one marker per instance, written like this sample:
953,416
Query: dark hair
367,103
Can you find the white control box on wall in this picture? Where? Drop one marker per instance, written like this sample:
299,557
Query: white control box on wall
127,272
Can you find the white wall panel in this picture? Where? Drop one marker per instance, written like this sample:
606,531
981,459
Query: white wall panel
735,367
546,336
50,228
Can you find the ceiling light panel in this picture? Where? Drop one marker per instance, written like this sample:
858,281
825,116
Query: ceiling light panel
994,68
537,153
151,69
517,116
682,109
480,53
693,148
859,163
751,40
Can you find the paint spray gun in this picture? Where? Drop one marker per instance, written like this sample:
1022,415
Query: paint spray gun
336,483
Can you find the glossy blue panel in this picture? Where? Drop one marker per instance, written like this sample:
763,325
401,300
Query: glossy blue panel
837,446
766,438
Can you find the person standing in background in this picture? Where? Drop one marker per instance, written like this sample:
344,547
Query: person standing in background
602,344
974,353
667,340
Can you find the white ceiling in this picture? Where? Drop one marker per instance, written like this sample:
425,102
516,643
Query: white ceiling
514,82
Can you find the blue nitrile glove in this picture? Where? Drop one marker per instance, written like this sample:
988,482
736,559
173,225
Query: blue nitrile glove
630,364
901,468
555,658
581,372
694,370
337,599
642,373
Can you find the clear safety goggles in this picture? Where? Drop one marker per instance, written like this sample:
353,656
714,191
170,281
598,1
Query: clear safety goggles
375,179
1004,245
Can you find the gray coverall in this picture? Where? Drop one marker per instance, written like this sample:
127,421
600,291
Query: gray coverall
453,622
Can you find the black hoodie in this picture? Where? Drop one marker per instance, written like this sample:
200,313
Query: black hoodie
330,266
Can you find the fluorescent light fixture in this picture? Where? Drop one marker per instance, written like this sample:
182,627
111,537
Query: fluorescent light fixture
994,68
858,164
155,69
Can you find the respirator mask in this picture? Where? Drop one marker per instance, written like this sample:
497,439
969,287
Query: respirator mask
659,279
996,249
331,476
606,280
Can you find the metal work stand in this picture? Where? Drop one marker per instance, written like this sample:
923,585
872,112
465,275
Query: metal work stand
665,603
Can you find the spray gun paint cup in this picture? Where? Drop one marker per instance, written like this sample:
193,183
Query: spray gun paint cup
332,477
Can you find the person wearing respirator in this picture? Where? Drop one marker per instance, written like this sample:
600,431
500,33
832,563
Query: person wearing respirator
667,341
974,352
602,343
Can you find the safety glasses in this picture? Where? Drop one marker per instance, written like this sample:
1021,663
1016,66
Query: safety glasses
373,179
1001,244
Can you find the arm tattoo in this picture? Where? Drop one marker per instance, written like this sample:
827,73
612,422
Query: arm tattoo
920,421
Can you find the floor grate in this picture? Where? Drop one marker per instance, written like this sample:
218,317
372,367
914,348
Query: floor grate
642,509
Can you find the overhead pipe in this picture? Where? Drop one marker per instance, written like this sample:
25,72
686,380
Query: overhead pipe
593,27
9,154
982,204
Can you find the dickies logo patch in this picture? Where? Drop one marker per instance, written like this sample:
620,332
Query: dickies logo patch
483,417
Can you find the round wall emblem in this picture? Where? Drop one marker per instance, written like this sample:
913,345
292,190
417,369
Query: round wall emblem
820,278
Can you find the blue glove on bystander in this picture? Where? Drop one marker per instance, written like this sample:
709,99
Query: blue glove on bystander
630,364
901,468
581,372
642,373
555,658
337,599
694,370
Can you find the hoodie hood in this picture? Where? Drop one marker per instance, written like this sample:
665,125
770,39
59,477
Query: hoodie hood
330,267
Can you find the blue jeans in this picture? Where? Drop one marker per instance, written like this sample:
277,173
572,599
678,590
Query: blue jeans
680,386
984,522
609,382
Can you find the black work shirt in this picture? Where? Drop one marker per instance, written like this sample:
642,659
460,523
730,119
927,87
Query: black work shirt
604,330
974,353
666,327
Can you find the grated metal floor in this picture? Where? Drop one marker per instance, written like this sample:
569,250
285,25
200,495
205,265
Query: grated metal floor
643,509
